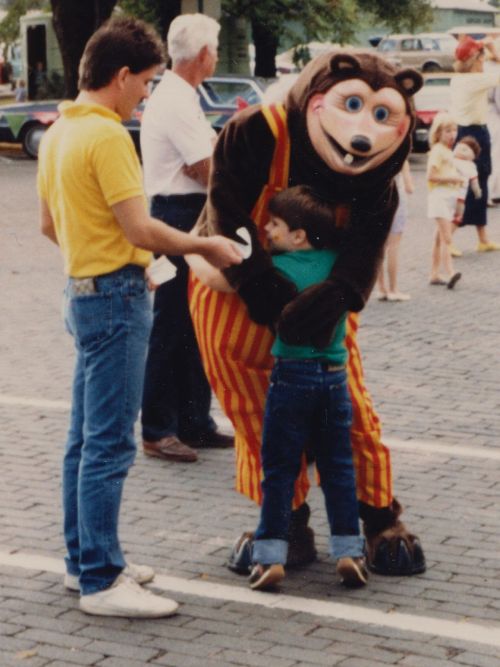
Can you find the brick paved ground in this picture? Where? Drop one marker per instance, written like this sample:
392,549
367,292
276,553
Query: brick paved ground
432,366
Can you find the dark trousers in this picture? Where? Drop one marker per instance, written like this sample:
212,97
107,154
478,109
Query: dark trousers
176,399
476,209
307,402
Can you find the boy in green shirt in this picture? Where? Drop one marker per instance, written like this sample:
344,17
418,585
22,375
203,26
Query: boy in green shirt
308,401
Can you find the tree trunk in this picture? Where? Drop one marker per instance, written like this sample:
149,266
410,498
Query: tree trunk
266,48
74,22
167,11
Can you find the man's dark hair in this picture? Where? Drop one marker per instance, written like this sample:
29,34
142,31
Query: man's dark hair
120,42
301,208
472,143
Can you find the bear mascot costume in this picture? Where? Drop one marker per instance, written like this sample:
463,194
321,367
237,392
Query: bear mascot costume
345,131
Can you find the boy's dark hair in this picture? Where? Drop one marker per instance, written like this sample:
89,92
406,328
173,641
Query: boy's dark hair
471,143
301,208
120,42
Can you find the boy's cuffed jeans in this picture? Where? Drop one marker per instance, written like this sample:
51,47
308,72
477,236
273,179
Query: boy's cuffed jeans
307,402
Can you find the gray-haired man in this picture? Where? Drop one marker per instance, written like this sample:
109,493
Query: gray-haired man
176,144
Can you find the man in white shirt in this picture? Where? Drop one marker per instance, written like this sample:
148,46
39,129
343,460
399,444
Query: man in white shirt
176,144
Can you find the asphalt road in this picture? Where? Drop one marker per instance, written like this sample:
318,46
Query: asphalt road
432,365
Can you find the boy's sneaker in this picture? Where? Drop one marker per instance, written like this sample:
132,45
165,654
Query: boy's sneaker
266,576
353,572
126,598
141,574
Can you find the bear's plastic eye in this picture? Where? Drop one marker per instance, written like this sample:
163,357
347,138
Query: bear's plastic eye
354,103
381,114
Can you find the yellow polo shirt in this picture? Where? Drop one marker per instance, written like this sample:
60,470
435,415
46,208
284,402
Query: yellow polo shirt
86,164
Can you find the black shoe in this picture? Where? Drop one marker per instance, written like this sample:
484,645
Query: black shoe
240,558
453,280
212,439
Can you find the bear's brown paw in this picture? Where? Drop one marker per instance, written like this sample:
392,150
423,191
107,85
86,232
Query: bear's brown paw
395,552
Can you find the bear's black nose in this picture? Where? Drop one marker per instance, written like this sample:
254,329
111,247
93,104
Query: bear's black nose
361,143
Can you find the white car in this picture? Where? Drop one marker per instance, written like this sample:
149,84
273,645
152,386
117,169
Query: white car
427,51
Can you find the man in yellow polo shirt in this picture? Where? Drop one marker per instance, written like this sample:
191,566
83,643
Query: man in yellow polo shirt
92,205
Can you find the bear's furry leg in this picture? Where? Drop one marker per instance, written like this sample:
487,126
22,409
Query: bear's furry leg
301,548
391,549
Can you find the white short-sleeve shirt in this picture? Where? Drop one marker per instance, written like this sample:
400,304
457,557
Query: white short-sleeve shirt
174,133
469,96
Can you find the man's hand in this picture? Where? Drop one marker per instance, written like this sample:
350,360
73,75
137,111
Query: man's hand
220,252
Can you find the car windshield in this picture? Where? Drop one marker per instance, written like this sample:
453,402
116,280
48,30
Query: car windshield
226,93
429,44
408,44
387,45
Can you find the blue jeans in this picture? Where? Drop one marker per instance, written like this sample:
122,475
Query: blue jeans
110,329
177,394
307,402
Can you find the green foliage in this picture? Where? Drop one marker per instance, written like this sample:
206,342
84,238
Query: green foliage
147,10
316,19
332,20
399,16
9,27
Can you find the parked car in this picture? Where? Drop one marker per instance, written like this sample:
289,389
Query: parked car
429,52
434,96
220,97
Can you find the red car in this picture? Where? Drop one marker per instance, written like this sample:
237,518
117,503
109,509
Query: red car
434,96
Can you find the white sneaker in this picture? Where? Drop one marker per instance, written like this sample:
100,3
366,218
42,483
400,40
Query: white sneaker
141,574
126,598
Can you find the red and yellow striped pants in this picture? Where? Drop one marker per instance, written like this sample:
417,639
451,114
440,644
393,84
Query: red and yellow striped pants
237,360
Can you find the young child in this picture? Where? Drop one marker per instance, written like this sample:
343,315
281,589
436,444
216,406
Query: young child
307,401
444,181
465,152
405,187
21,92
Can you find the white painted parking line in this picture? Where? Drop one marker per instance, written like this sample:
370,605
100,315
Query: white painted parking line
23,402
435,627
457,451
420,446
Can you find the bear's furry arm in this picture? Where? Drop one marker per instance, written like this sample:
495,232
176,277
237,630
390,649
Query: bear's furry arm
240,170
362,251
313,315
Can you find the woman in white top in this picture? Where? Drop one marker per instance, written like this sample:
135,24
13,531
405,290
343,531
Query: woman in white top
469,106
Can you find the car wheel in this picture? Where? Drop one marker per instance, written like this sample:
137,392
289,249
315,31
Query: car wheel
32,138
431,67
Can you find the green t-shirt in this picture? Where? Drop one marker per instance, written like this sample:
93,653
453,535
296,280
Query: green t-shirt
306,268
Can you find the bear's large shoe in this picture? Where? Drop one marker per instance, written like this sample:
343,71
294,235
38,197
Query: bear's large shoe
301,547
391,550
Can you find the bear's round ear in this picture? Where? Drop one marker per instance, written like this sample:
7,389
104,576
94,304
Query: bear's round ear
409,80
343,63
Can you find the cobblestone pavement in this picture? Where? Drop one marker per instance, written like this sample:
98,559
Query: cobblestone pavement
432,365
